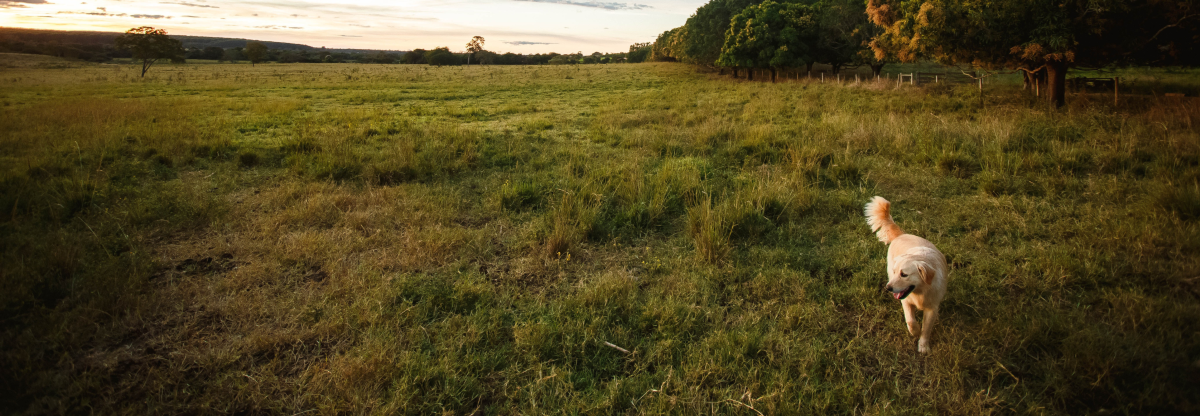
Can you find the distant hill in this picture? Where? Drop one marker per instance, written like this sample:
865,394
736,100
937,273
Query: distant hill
73,37
204,42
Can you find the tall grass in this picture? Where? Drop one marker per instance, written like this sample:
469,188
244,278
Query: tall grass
401,239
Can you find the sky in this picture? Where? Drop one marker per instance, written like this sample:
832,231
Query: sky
519,26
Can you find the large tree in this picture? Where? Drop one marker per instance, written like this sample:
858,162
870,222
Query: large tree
670,45
415,56
255,52
771,35
1039,35
844,33
149,45
441,56
475,45
639,52
707,29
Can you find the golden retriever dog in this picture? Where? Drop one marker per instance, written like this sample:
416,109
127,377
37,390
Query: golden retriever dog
917,271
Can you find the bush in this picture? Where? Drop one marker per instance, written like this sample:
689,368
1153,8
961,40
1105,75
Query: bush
561,60
441,56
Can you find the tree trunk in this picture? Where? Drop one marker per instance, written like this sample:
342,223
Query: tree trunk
835,68
772,75
1056,75
876,70
1025,80
735,72
1039,81
146,66
750,74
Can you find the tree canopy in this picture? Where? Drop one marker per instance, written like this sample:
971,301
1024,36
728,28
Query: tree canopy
707,29
639,52
255,52
771,35
475,45
836,32
843,35
441,56
150,45
415,56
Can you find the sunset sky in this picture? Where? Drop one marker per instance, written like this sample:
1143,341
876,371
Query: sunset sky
521,26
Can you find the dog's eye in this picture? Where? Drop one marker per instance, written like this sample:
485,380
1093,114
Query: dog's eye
903,275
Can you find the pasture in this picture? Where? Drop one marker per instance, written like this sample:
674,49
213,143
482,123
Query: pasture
385,239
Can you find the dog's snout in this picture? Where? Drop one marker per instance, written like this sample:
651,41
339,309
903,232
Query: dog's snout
888,289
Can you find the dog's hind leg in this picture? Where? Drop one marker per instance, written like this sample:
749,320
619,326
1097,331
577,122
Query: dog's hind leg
927,329
910,319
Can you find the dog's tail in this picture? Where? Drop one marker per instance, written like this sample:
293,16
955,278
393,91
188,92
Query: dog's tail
879,217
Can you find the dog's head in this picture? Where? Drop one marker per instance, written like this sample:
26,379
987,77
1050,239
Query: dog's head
908,275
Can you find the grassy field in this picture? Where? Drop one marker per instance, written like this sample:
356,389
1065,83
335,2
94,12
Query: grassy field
406,239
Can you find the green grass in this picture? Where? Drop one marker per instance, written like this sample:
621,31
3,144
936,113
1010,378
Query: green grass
405,239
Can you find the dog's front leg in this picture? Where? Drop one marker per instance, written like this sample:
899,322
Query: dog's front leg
927,329
909,311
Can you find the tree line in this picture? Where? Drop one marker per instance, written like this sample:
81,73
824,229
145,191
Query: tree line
443,56
149,43
87,50
1042,39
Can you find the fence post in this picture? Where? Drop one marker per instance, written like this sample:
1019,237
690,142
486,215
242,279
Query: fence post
1116,90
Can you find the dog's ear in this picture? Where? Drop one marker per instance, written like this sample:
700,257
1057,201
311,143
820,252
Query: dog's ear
926,272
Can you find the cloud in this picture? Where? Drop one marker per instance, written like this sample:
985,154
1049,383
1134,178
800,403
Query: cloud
106,14
184,3
94,13
525,42
277,27
8,4
350,36
594,4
